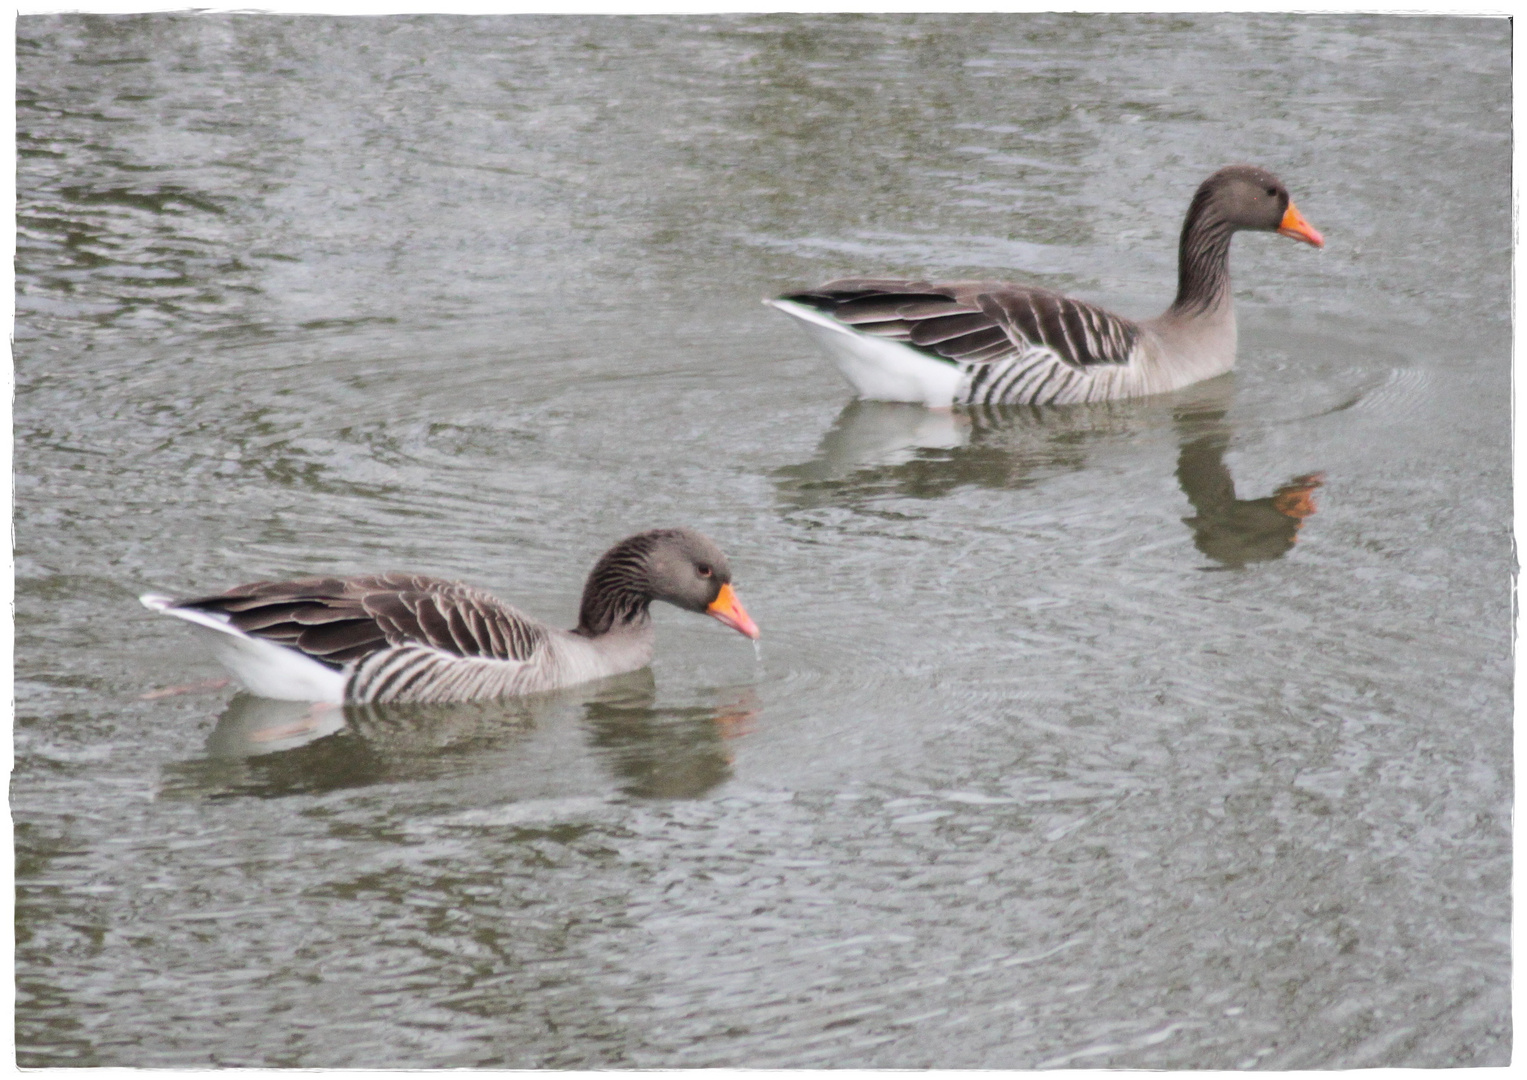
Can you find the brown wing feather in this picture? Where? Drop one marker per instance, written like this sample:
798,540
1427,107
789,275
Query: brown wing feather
976,322
1081,334
337,620
932,331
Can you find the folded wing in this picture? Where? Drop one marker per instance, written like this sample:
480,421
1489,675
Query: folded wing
977,322
340,620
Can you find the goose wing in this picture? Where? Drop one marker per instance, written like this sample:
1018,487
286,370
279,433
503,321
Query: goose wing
339,620
978,322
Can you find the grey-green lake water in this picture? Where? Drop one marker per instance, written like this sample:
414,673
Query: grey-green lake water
1067,742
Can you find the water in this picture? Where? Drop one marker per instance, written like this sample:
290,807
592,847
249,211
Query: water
1165,734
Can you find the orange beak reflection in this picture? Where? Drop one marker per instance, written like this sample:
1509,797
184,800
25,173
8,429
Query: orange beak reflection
1293,225
727,609
1296,499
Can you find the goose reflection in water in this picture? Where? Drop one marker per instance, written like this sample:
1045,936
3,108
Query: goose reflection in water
671,753
265,747
878,449
1234,531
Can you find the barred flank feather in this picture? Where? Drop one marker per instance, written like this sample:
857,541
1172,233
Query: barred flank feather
419,674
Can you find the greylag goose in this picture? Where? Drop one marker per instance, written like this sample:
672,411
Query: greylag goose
388,638
998,343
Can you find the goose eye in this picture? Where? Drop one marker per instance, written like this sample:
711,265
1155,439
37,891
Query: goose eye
1272,191
703,569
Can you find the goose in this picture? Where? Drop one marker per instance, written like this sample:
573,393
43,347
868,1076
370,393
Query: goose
405,638
999,343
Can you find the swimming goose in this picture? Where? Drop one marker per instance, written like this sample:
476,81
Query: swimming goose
998,343
405,638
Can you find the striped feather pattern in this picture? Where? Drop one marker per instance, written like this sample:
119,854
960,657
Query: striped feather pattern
1079,334
419,674
1017,345
619,586
339,620
1033,377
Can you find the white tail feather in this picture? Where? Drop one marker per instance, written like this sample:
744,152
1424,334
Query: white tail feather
878,368
263,667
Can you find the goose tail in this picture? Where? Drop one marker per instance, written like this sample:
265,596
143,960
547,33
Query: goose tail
878,369
262,667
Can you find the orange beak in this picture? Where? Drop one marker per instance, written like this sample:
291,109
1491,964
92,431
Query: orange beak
1294,225
727,609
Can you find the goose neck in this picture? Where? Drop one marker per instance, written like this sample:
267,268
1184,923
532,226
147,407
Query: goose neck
617,594
1203,262
605,612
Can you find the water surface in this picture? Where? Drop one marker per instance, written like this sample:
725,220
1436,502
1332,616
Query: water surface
1162,734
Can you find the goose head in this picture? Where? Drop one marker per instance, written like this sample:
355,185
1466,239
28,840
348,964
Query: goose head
689,571
677,566
1248,197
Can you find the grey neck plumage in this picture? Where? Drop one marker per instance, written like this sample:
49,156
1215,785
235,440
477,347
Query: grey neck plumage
619,590
1203,260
